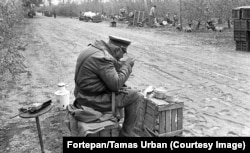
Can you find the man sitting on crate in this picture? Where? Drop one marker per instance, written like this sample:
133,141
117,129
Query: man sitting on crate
99,72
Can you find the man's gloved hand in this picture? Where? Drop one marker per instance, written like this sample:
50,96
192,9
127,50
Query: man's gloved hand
130,61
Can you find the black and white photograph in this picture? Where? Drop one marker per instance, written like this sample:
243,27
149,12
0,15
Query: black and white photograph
123,68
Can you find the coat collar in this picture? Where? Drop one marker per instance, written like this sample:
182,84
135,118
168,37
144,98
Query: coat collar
101,45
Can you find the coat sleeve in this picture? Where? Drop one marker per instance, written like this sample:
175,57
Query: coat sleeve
112,77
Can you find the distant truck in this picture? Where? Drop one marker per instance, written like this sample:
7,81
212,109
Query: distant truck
90,16
48,13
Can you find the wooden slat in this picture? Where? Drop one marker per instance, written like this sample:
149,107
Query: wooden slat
159,102
162,122
168,121
173,122
164,105
142,16
171,134
179,118
138,19
154,119
134,18
171,106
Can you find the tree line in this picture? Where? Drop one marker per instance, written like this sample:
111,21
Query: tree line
195,11
12,14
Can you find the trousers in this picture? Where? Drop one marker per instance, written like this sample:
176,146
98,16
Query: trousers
151,21
131,103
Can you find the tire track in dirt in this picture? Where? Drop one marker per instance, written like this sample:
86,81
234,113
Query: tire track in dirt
20,135
225,97
200,71
212,82
215,71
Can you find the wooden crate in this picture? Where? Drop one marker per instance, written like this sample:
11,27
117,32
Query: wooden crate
245,13
245,46
241,25
242,45
237,24
237,35
238,45
163,118
109,131
242,35
236,13
138,18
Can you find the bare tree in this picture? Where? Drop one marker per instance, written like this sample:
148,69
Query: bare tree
196,10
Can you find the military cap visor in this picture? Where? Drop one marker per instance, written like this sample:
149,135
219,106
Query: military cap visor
121,42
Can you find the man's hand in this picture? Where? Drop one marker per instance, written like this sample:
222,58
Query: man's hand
130,61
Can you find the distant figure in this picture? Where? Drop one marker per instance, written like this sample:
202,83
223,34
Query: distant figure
152,16
123,11
188,28
54,13
131,14
175,19
167,19
70,14
210,25
104,17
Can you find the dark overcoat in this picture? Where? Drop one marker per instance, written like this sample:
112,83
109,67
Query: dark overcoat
98,76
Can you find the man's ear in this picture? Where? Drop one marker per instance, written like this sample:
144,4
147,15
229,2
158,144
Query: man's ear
119,53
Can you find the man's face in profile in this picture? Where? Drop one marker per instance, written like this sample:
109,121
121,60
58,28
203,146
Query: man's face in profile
120,54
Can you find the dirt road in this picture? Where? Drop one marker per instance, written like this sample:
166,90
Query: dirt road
212,79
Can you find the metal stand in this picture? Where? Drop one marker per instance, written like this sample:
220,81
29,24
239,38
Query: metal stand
36,115
39,134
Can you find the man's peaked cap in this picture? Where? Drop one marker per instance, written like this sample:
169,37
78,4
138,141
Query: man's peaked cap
120,42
